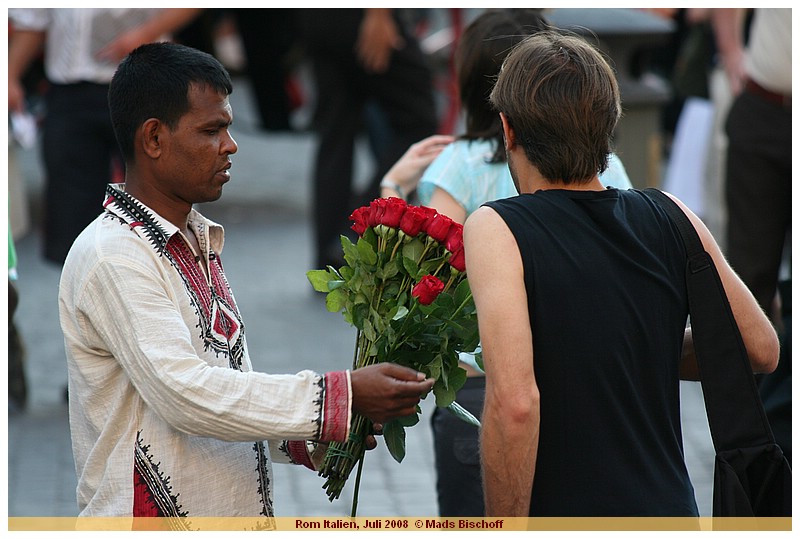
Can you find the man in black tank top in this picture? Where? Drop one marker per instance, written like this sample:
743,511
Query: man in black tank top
582,307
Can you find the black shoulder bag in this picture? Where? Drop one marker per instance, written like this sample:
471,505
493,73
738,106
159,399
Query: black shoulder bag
752,477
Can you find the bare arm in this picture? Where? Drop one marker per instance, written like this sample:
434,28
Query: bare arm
378,36
444,203
23,47
408,170
510,422
166,21
758,333
728,25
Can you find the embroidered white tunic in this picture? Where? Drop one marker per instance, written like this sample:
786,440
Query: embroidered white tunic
166,414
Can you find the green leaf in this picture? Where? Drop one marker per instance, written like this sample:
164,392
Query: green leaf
402,310
359,314
411,267
395,436
479,360
409,420
391,290
462,292
434,368
370,236
319,279
413,249
446,301
456,378
336,300
366,252
350,251
444,395
369,331
346,272
463,414
388,271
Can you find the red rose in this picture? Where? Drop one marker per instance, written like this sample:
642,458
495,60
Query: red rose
413,220
455,237
427,289
376,209
457,259
393,211
360,218
430,213
438,227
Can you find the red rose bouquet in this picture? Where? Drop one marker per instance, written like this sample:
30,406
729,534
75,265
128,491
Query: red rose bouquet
404,288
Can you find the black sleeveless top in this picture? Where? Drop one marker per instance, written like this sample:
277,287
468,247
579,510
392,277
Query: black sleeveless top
604,273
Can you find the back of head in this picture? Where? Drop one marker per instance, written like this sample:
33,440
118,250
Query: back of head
153,82
562,100
481,50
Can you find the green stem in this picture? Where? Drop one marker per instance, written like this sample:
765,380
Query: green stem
463,304
357,486
356,351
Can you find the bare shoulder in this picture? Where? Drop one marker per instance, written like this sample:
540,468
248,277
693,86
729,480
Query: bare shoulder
709,242
484,222
489,245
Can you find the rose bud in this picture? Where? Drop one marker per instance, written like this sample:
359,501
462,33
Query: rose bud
427,289
376,209
438,227
393,212
455,237
413,220
458,260
360,218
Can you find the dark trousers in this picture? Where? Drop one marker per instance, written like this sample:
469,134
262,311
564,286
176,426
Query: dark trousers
758,192
403,96
456,447
79,150
267,37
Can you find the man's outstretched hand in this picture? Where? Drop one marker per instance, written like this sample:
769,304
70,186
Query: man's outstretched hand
387,391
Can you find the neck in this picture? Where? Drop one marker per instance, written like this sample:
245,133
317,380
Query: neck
174,211
529,179
593,185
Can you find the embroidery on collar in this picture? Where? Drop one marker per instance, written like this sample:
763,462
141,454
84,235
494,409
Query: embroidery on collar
136,215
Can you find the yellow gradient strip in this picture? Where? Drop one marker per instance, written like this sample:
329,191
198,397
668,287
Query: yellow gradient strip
397,524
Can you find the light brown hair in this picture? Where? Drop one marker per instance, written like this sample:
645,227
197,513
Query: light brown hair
561,98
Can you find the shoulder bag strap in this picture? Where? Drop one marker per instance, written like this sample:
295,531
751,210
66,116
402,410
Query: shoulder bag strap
735,412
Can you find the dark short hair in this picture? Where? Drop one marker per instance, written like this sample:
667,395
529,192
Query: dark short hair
561,97
153,82
481,50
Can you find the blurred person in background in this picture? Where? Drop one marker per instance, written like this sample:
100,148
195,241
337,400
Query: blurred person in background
82,47
758,176
360,57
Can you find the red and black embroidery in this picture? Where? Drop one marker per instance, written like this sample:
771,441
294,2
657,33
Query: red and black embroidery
218,318
264,486
136,215
152,494
219,321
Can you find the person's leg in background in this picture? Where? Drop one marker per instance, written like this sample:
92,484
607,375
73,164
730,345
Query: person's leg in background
758,192
79,149
268,36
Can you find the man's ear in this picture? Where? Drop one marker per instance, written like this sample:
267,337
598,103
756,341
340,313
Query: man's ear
508,133
151,137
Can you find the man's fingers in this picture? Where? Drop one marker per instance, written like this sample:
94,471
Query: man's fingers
402,373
